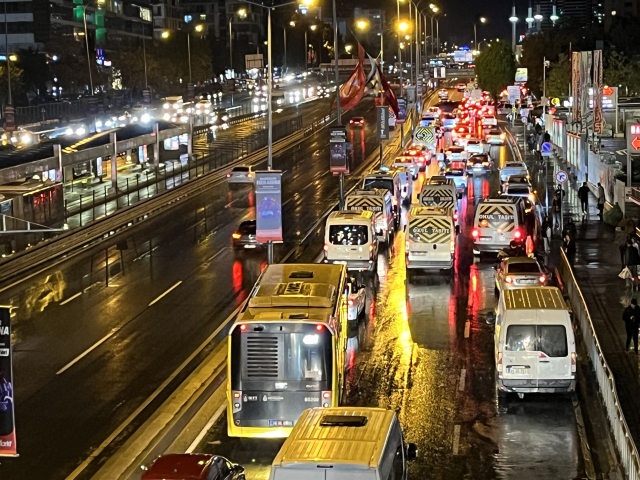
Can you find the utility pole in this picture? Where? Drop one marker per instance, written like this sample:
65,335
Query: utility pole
337,72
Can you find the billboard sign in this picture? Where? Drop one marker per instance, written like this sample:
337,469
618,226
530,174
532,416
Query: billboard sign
254,60
383,122
633,138
269,205
462,56
338,150
7,411
521,74
402,111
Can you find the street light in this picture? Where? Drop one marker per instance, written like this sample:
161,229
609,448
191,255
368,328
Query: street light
242,13
197,28
165,34
475,35
86,42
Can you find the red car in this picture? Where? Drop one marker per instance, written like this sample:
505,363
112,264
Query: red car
193,466
421,156
357,122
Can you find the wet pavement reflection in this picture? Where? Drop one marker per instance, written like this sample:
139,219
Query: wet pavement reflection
425,350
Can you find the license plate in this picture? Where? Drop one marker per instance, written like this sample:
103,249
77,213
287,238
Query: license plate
527,282
418,254
518,371
501,238
249,246
340,262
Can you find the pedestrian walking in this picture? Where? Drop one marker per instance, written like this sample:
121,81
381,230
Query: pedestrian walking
601,200
621,241
569,248
633,260
556,207
546,234
631,315
583,195
570,229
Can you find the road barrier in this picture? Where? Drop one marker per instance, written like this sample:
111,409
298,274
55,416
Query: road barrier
625,446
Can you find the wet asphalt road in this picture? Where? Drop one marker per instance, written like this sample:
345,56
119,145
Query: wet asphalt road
409,356
412,355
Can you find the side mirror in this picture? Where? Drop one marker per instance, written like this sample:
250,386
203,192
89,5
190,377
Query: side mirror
412,451
457,229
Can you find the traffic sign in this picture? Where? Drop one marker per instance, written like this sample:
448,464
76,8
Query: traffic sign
524,119
633,138
562,176
383,122
545,149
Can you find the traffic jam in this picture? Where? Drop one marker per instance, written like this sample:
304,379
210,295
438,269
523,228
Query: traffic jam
436,247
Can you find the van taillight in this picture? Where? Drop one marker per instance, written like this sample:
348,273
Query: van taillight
326,399
542,279
475,233
499,364
326,247
517,234
455,216
574,359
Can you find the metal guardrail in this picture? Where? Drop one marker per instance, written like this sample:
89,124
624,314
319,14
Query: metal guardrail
635,194
627,451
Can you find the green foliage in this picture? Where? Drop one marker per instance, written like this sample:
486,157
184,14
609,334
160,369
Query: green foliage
621,72
558,77
496,68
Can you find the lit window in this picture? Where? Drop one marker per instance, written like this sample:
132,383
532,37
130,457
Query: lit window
203,16
145,14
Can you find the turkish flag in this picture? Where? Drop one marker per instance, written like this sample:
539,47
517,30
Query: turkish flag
352,91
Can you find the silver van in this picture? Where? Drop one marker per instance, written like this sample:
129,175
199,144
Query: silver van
496,223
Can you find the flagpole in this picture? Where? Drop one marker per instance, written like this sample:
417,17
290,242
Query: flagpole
336,56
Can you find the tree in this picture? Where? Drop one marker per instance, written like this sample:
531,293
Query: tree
496,68
558,77
621,72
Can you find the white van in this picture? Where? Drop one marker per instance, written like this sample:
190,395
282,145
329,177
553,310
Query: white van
350,238
440,191
430,239
340,443
497,221
379,201
389,179
406,181
535,349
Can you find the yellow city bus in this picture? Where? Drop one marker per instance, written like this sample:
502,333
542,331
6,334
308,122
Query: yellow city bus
287,349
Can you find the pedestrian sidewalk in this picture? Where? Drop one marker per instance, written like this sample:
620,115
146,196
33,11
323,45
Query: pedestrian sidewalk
596,269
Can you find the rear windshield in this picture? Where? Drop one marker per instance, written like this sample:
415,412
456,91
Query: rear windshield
548,339
348,234
478,159
378,183
248,228
514,165
517,189
523,268
240,169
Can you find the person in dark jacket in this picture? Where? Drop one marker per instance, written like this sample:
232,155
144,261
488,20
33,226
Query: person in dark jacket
556,207
633,260
569,248
601,200
631,316
583,195
569,229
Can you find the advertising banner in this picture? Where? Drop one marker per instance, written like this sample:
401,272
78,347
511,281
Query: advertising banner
338,150
585,79
383,122
7,412
269,205
575,86
598,117
402,111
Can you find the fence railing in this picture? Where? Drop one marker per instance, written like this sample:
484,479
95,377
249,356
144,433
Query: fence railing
48,111
624,443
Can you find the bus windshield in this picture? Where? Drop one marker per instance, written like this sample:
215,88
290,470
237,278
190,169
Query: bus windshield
372,183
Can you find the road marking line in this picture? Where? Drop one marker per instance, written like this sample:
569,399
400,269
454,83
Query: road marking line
71,298
151,398
88,351
206,428
463,374
467,327
456,439
165,293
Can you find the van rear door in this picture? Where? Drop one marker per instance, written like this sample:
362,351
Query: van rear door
430,239
496,223
519,355
554,360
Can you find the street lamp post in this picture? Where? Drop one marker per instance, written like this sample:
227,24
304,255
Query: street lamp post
513,19
475,31
242,13
197,28
86,42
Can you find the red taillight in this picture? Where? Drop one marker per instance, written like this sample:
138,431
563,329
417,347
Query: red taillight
326,247
508,279
319,327
326,394
475,233
243,327
236,235
517,234
236,394
542,279
574,359
228,175
350,121
350,302
500,364
455,216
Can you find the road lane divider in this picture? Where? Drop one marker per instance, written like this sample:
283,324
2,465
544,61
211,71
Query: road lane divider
456,439
88,351
70,298
463,376
129,420
467,329
166,293
221,409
